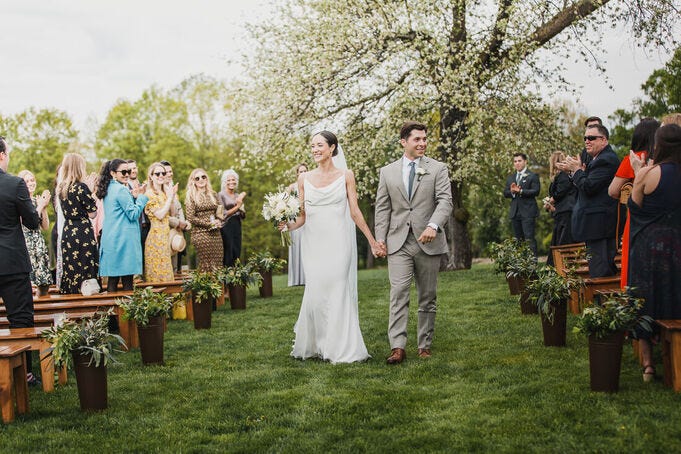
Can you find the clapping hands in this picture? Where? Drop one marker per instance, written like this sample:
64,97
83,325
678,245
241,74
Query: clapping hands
43,200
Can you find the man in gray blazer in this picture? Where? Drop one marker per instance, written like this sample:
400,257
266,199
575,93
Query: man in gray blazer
413,202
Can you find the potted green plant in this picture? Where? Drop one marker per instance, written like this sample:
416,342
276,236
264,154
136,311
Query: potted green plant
205,288
87,347
550,292
515,260
238,277
266,264
149,310
605,324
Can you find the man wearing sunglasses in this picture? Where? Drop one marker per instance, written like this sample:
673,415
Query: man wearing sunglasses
594,218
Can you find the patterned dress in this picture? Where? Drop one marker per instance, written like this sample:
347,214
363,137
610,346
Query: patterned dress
157,263
37,252
206,239
80,258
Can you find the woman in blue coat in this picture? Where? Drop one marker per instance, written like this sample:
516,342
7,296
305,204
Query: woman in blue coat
120,250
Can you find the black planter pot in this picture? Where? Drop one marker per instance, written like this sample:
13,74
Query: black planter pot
554,334
513,284
151,340
203,313
237,296
605,361
91,381
266,286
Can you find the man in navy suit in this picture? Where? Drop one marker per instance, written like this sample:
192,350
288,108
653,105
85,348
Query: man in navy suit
522,188
594,217
16,208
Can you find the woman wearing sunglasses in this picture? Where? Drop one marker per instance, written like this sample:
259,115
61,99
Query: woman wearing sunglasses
120,251
201,204
159,208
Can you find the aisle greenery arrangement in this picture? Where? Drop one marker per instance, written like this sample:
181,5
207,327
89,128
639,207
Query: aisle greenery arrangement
490,386
242,275
265,262
145,303
513,258
619,312
547,289
90,335
203,285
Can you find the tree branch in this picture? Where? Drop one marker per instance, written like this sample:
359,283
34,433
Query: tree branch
498,33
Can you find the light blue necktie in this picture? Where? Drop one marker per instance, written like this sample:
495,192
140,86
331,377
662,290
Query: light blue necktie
412,174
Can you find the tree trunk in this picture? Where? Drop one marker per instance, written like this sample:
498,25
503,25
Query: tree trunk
452,133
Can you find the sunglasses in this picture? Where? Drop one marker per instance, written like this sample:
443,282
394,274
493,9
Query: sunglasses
202,177
160,174
591,138
123,172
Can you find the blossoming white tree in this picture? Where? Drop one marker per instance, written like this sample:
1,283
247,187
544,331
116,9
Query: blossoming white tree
367,65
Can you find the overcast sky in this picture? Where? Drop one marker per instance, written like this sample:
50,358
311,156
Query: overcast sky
82,55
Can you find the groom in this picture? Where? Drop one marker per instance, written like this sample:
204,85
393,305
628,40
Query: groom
413,202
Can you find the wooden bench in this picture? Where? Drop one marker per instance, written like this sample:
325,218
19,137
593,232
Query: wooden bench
48,319
19,337
670,337
13,386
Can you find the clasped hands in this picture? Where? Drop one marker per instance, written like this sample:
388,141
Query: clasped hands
379,249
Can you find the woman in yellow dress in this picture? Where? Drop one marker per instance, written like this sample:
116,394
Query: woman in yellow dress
157,262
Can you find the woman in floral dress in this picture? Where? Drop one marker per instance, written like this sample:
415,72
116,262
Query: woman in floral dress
201,206
35,243
157,262
80,260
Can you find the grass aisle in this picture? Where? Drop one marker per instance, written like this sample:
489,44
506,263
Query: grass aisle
490,386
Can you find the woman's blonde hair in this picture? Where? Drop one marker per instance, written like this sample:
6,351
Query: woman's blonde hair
556,157
672,118
194,194
150,172
72,171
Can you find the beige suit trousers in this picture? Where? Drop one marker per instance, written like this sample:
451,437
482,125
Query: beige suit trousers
410,262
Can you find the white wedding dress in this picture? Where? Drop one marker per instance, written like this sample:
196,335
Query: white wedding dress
328,324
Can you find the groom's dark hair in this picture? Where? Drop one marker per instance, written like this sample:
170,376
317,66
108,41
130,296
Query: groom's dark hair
330,138
409,126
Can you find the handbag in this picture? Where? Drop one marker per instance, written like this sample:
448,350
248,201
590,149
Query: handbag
89,287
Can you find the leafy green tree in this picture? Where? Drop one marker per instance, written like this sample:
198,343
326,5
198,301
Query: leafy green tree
360,62
661,95
38,139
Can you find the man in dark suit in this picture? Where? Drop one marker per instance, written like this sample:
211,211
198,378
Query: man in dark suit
16,208
522,188
594,218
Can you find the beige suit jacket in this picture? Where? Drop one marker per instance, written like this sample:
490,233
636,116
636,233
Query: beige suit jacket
431,201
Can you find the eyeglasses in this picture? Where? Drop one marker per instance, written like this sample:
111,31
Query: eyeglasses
160,174
202,177
123,172
592,138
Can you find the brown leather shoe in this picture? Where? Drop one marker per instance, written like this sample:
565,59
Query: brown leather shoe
397,355
424,353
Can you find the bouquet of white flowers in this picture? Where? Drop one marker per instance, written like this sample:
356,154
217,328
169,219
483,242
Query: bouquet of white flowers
281,207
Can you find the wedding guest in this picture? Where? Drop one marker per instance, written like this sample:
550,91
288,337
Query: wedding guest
57,230
201,204
120,253
561,201
655,242
672,118
642,144
78,245
296,274
176,221
233,212
35,243
157,263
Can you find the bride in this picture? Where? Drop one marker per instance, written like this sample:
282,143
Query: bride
328,324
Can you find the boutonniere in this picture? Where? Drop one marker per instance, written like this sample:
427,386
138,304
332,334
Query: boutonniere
420,171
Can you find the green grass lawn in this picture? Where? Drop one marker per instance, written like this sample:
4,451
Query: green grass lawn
490,386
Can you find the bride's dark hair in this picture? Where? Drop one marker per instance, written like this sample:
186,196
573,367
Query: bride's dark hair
330,139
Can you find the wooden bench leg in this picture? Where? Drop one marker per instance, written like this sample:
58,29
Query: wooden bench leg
675,360
6,391
20,384
47,370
